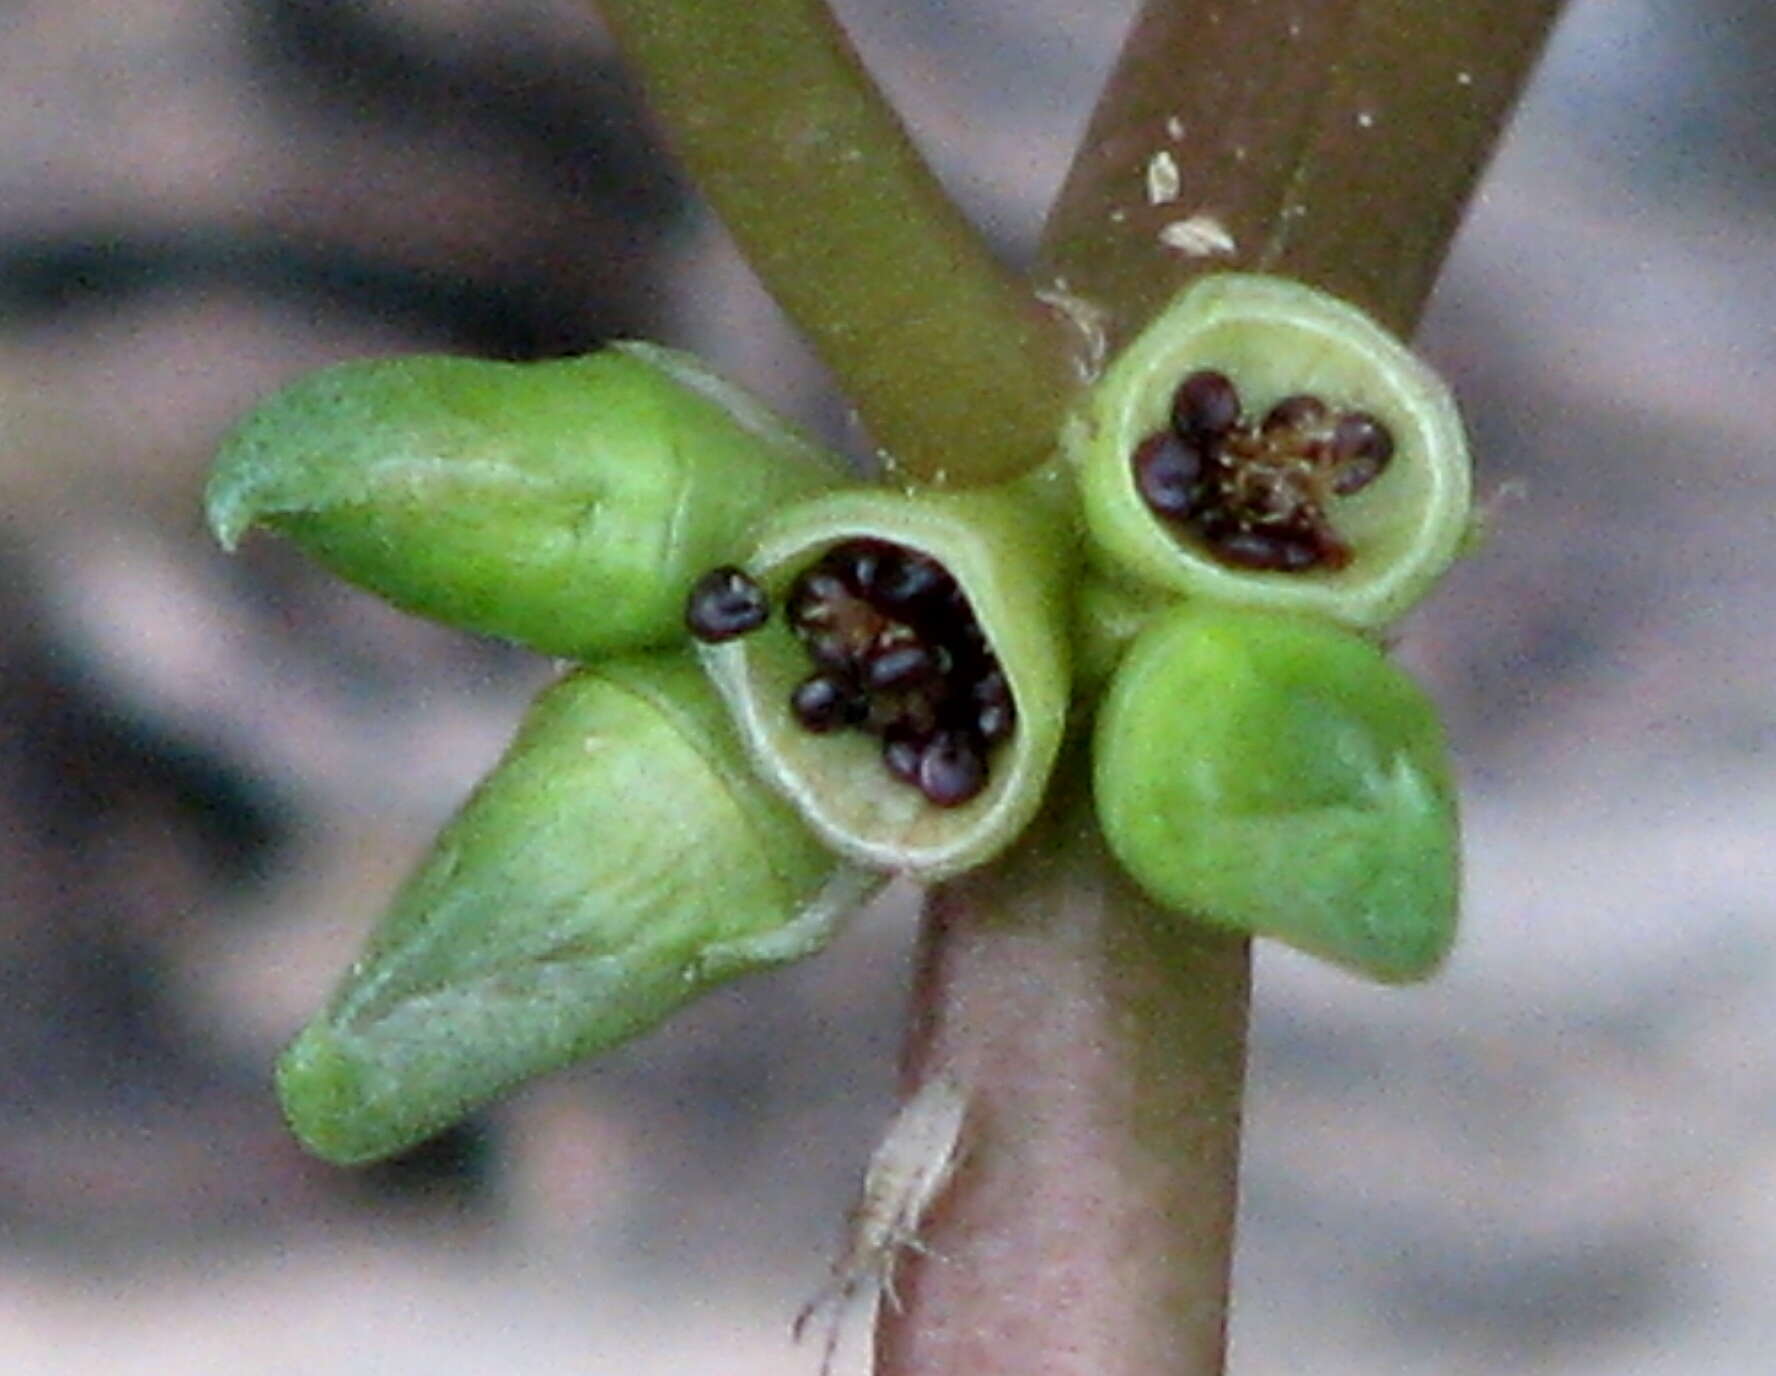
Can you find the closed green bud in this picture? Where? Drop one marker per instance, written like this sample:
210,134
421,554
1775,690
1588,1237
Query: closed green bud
909,688
618,862
1279,776
565,505
1264,444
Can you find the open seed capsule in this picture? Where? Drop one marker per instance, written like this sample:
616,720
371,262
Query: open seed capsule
910,695
566,505
1264,444
1278,775
619,861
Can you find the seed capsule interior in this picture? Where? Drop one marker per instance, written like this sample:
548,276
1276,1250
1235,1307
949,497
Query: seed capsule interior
895,652
1259,493
896,647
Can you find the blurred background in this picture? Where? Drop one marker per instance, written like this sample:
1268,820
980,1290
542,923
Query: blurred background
1560,1157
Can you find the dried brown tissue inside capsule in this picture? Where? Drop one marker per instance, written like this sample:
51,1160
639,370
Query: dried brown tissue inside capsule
1259,493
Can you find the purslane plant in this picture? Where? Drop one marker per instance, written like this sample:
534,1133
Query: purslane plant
1309,152
894,665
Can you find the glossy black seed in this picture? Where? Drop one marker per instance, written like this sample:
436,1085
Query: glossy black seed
900,665
863,564
826,701
832,650
1298,412
952,769
1171,476
901,753
914,587
725,603
1276,550
814,598
1205,406
995,714
1361,448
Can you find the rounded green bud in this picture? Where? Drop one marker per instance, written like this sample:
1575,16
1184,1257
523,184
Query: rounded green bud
1279,776
909,690
619,861
1265,444
566,505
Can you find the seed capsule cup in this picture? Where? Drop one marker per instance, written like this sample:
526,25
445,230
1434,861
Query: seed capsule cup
565,505
1275,338
1009,552
1279,776
618,862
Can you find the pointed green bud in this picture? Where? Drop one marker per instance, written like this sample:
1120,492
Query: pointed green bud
566,505
618,862
909,689
1264,444
1279,776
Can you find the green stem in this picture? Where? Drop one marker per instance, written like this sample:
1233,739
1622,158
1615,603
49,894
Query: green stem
957,372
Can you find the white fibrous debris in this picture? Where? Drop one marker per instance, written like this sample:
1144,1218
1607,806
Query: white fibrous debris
1092,322
1366,119
1174,127
1162,178
906,1175
1200,236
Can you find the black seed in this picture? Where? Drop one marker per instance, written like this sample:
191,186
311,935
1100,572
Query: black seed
1298,412
1205,406
832,650
725,603
901,753
899,666
1169,475
825,701
1278,550
862,564
995,712
814,598
952,769
1361,448
915,586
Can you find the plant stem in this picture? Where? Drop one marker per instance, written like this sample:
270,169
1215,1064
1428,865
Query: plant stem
1090,1228
956,371
1335,142
1102,1047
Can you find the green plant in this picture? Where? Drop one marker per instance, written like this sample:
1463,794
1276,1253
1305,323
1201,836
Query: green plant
1092,1025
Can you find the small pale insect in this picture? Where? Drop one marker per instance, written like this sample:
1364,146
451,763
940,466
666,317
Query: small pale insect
906,1175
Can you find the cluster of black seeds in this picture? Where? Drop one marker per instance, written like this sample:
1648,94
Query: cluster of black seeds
1257,494
896,652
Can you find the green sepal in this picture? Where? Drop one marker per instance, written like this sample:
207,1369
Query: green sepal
1278,775
566,505
618,862
1011,552
1274,337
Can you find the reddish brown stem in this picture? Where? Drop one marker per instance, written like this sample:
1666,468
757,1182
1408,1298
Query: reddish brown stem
1090,1229
1101,1045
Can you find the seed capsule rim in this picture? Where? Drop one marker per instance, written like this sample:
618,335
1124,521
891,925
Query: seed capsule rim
1018,609
1429,472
